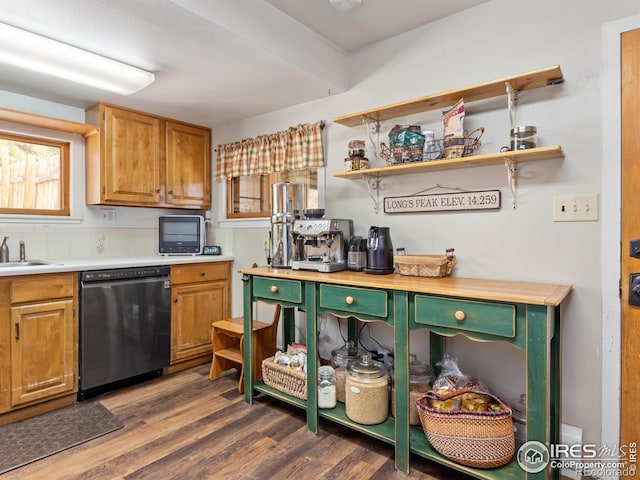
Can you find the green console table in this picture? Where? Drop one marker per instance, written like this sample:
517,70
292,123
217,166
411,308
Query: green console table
524,314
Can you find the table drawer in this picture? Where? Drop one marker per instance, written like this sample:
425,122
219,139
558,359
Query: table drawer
200,272
355,300
482,317
277,289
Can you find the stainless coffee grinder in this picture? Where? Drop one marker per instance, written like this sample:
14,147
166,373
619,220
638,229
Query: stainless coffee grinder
288,200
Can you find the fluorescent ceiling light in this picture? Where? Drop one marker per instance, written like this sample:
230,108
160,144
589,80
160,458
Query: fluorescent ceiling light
34,52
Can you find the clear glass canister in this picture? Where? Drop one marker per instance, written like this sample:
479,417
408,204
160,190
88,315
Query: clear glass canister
340,358
326,387
524,137
420,379
367,391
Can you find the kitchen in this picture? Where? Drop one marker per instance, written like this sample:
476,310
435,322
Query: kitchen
491,40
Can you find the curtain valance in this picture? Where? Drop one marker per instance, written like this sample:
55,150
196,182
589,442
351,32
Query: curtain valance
293,149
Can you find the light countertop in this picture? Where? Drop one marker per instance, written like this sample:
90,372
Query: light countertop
84,264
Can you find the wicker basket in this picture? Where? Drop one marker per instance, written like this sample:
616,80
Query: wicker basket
475,439
426,265
292,382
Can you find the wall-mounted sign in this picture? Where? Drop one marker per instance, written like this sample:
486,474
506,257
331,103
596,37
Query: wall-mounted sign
440,202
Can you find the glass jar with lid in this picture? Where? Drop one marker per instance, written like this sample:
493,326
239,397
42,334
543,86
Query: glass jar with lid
340,358
420,379
367,391
524,137
326,387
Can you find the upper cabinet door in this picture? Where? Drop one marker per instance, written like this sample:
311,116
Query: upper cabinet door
188,165
132,157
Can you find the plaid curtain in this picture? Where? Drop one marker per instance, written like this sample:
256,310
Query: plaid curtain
296,148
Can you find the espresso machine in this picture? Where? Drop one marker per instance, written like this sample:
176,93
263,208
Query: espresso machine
287,203
325,242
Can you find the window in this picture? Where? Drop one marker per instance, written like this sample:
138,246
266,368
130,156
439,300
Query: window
34,176
250,197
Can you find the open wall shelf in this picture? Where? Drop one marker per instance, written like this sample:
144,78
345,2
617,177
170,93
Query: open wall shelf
529,155
524,81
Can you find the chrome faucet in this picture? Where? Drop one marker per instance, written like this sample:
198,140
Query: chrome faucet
22,252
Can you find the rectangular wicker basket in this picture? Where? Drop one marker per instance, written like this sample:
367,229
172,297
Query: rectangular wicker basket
426,265
287,380
475,439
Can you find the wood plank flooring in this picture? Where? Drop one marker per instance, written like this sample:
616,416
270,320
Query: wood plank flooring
184,426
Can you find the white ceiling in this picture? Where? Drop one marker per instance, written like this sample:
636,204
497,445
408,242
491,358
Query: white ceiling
215,60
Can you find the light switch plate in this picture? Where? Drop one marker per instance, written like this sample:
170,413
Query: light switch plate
107,216
575,208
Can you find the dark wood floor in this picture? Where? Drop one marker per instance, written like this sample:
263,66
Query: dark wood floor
185,426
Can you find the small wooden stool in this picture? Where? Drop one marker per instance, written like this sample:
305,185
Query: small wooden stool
227,337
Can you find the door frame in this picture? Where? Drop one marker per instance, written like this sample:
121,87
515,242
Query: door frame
611,222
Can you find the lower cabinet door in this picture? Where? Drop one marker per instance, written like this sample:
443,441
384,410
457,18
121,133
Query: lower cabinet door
193,309
42,351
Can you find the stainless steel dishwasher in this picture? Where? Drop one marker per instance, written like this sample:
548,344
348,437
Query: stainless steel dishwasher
125,326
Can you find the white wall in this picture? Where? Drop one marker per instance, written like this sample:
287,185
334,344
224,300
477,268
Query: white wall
493,40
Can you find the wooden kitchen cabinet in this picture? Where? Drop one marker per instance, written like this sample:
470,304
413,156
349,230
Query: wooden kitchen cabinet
188,172
138,159
38,343
200,295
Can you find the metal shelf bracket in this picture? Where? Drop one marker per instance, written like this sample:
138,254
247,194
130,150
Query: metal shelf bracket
373,186
512,177
373,128
512,98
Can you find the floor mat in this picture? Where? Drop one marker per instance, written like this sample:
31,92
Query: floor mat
38,437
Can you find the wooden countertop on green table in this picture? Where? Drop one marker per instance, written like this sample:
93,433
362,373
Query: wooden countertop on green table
532,293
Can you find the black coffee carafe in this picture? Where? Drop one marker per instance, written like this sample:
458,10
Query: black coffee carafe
379,251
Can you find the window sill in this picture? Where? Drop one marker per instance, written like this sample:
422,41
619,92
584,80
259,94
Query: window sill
262,222
39,219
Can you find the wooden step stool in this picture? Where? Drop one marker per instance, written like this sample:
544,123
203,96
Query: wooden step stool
228,346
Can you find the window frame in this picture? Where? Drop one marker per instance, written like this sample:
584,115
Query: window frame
65,175
267,181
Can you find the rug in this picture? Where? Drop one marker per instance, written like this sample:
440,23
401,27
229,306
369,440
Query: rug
32,439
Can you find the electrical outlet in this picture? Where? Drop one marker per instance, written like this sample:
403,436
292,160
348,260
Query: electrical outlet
575,208
107,216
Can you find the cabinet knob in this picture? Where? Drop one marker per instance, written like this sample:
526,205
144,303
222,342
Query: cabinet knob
202,274
170,192
459,315
157,190
349,300
175,300
274,289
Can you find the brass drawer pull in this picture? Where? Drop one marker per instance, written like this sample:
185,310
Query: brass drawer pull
349,300
274,289
459,315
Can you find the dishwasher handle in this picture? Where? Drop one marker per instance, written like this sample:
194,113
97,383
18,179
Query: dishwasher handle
129,281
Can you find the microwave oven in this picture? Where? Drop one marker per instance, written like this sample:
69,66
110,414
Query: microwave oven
181,234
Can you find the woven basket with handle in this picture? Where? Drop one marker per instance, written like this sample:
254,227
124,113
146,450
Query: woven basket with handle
287,380
476,439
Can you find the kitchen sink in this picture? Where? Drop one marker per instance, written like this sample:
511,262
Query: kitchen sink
26,263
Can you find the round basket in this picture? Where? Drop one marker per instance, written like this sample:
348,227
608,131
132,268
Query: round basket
475,439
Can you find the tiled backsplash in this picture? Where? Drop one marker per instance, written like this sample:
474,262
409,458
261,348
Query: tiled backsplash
54,243
47,242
